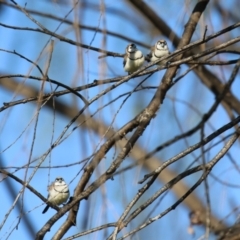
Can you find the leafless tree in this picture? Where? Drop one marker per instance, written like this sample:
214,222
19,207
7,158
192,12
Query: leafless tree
132,148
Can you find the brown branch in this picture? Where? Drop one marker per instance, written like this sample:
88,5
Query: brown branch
192,148
209,79
63,39
81,26
29,187
206,168
85,27
141,122
137,152
204,119
44,96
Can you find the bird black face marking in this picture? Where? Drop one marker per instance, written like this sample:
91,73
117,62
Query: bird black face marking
131,48
161,44
59,179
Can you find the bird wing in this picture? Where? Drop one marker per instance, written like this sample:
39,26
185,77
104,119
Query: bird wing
149,56
124,60
50,187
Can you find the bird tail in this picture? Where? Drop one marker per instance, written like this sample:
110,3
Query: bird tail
148,58
45,209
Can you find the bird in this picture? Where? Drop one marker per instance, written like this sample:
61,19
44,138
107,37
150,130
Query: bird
58,193
158,51
133,58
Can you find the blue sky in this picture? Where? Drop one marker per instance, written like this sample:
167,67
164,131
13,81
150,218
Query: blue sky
75,66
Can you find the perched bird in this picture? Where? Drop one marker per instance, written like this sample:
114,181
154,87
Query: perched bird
133,58
58,193
158,51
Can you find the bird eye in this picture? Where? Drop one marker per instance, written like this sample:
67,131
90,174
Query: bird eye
59,179
162,42
131,47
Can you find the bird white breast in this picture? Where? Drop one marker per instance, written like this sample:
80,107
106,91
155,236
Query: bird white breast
158,54
59,195
134,61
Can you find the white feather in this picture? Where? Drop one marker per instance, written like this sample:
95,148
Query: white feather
134,59
58,192
159,50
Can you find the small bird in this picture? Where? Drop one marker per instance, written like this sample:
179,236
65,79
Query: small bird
158,51
58,193
133,58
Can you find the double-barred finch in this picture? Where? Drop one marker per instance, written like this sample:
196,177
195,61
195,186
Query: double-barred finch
133,58
58,193
158,51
